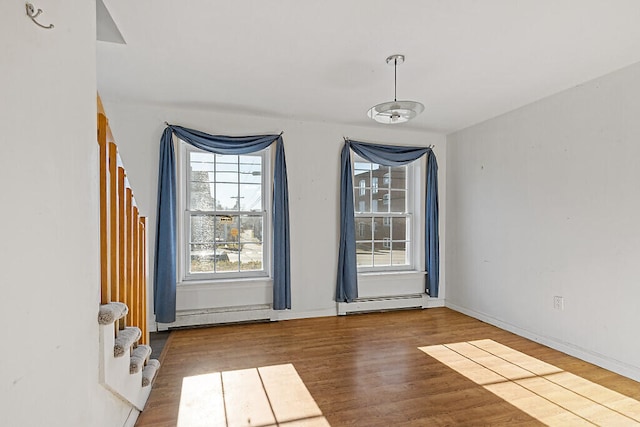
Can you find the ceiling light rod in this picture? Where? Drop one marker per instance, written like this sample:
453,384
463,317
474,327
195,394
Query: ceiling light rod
397,59
395,111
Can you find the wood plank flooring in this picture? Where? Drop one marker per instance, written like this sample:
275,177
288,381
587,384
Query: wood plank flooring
369,370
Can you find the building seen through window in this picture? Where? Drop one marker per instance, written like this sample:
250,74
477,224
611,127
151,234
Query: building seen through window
382,217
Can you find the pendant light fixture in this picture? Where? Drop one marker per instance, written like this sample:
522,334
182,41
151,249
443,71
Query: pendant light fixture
395,111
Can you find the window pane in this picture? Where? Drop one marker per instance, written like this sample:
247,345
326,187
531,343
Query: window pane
201,161
251,256
399,228
380,202
201,258
250,243
250,228
203,228
201,176
398,201
226,196
363,228
227,232
398,177
400,254
251,169
201,196
364,254
250,197
380,231
226,260
382,254
361,167
226,168
227,178
226,163
362,201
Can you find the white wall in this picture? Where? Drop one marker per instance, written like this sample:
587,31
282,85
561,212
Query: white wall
313,166
545,201
49,220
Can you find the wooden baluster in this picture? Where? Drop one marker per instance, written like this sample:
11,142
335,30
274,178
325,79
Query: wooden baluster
139,260
129,255
122,222
105,289
136,267
143,279
113,223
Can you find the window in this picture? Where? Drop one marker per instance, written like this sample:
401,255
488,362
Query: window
362,187
225,217
384,217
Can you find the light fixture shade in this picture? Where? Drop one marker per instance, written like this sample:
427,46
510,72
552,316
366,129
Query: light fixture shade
393,112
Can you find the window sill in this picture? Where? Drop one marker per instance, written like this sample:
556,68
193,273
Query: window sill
229,281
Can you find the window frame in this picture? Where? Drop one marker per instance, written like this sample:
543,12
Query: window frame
415,225
184,216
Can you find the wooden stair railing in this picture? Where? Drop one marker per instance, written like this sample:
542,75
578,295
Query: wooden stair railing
123,251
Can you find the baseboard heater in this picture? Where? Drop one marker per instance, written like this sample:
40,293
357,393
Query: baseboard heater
216,316
387,303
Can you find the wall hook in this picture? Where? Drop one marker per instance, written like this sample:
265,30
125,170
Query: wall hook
33,14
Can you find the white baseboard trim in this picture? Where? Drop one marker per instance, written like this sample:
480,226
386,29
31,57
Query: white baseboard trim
217,316
395,302
132,418
240,314
433,303
603,361
290,314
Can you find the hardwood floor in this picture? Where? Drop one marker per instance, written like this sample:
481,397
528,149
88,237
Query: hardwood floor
364,370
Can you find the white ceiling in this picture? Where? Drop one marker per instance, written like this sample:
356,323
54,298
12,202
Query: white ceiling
466,60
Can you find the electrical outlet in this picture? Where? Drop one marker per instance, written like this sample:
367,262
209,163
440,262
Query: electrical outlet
558,303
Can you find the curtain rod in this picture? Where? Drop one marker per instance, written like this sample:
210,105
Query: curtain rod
432,146
167,123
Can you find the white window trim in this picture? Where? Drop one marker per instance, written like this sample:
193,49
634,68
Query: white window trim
416,190
182,253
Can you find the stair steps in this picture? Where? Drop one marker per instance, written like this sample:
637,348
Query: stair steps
111,312
139,357
149,372
126,338
125,367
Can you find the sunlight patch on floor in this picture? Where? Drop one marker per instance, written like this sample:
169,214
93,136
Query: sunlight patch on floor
268,396
544,391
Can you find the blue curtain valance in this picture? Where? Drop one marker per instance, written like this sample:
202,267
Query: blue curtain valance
165,277
386,155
